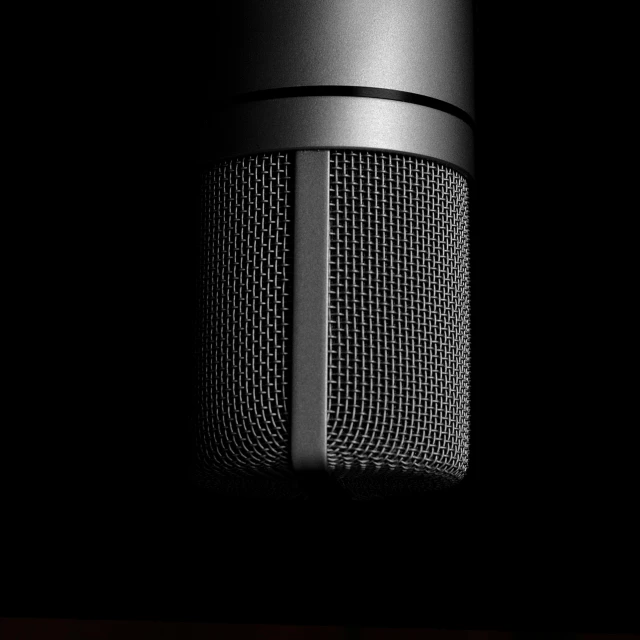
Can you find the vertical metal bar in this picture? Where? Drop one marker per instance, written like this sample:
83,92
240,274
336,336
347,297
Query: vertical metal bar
310,311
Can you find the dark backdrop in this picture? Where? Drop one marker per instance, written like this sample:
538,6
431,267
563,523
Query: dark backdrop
101,518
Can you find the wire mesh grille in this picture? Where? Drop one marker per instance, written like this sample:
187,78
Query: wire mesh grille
399,330
245,322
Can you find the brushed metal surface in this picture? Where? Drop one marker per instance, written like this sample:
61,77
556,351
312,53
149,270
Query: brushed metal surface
417,46
340,123
310,311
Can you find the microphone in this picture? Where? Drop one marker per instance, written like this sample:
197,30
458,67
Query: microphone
333,348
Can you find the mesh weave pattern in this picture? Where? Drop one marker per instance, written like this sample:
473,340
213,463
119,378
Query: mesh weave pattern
398,386
243,437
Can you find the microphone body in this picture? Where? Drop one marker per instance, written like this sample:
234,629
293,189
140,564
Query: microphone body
334,320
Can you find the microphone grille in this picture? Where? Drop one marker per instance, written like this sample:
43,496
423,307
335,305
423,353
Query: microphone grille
399,324
398,335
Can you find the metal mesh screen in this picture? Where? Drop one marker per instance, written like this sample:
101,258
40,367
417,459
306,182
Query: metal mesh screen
398,385
398,379
243,435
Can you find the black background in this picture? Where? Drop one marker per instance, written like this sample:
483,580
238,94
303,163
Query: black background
101,519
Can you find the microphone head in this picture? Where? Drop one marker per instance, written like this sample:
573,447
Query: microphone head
334,320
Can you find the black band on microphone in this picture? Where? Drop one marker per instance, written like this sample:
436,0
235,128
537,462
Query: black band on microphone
353,92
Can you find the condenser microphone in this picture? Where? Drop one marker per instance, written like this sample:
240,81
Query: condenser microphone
334,321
